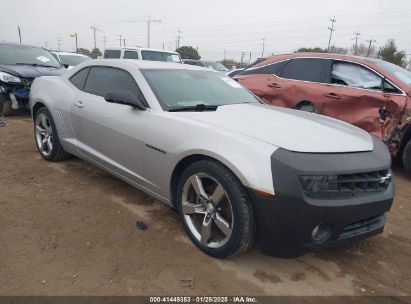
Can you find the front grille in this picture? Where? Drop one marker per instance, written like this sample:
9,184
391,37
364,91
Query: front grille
341,186
361,227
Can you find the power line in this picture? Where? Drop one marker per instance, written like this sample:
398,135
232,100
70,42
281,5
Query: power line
357,35
148,21
331,31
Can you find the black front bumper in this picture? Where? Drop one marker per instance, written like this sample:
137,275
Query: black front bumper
287,221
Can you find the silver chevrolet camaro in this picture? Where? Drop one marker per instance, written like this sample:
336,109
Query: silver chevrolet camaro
236,169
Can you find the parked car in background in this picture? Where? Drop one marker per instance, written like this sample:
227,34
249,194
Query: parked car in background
70,60
141,53
369,93
217,66
20,64
200,142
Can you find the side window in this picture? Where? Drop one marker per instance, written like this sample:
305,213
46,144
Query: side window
112,54
275,69
130,55
79,79
308,69
103,79
355,75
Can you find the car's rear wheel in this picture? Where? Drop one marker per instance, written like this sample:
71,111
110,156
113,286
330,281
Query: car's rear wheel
215,209
406,158
47,140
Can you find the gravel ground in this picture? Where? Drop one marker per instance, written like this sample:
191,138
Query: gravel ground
70,229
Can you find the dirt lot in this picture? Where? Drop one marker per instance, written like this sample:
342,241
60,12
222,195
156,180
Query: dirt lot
69,229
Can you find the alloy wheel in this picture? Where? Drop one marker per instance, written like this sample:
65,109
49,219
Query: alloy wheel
44,134
207,210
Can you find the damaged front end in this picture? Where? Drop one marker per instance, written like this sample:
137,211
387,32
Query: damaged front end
14,92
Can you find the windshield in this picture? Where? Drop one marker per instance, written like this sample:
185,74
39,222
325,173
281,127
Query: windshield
188,88
160,56
394,70
215,66
72,60
21,54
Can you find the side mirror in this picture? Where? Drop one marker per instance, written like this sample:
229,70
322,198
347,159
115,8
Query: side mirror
66,65
126,98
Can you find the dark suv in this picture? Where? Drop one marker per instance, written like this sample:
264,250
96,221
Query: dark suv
19,65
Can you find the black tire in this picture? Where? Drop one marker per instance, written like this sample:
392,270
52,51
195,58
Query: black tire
244,222
7,110
406,158
57,151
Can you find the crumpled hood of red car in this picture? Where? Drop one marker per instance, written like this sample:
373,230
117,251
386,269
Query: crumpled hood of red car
288,129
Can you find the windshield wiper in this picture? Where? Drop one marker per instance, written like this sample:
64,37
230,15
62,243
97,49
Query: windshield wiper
197,108
37,65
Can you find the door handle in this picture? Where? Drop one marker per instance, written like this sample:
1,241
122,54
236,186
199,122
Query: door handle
79,104
333,95
274,85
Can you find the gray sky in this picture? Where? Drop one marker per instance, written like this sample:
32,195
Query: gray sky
214,26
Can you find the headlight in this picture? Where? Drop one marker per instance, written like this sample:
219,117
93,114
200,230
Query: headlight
9,78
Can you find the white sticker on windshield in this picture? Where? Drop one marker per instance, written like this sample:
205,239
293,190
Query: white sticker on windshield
42,59
232,82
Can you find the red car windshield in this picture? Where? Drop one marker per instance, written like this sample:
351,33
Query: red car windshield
394,70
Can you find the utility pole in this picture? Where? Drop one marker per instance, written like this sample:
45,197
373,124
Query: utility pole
163,45
178,38
18,27
95,30
59,44
124,42
371,41
242,59
331,29
148,21
357,35
75,36
249,59
104,41
120,38
263,44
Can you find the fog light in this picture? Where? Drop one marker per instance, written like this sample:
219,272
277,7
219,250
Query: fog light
321,233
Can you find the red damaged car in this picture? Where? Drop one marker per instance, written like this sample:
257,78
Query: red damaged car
372,94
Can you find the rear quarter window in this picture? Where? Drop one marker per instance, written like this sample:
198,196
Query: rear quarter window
308,69
112,54
79,79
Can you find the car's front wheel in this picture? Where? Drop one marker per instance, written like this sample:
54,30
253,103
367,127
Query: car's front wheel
215,209
47,140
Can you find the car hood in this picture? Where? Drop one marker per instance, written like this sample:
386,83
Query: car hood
288,129
27,71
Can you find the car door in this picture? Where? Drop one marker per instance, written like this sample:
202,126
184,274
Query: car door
294,83
110,134
356,96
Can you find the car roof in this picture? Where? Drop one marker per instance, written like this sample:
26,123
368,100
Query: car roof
145,64
138,48
20,44
281,57
69,53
